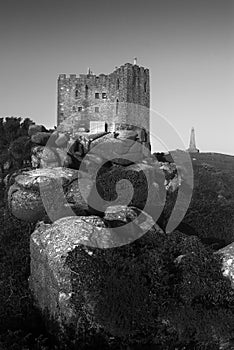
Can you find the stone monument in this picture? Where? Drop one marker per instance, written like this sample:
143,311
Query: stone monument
192,145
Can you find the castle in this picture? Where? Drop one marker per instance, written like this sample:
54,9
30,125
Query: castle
119,100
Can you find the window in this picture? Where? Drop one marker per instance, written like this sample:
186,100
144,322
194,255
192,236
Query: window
79,109
76,93
86,91
117,84
96,109
74,108
117,106
104,95
96,95
145,86
61,114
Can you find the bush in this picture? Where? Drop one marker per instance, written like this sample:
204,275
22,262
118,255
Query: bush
210,215
159,290
21,326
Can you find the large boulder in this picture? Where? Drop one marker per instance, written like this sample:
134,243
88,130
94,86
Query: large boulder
47,191
35,128
62,140
41,138
70,263
51,157
121,150
139,185
44,157
227,254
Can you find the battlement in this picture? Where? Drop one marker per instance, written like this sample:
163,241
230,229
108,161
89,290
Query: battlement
102,75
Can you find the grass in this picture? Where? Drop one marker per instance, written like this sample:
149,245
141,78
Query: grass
21,326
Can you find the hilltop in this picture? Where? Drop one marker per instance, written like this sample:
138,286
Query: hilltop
220,161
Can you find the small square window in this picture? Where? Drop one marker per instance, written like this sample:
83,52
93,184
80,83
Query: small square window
104,95
79,109
96,95
96,109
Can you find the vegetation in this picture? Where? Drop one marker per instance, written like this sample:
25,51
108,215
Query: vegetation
170,287
162,291
14,143
211,211
21,326
210,215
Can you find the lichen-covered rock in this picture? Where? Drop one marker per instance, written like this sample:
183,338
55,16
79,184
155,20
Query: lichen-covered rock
41,138
69,263
227,254
51,157
44,157
123,151
35,128
25,205
128,223
62,140
47,191
79,200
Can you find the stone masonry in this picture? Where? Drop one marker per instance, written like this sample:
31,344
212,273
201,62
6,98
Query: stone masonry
118,99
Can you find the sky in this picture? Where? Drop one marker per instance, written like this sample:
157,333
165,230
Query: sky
187,45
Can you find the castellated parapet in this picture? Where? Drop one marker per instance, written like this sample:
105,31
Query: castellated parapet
122,97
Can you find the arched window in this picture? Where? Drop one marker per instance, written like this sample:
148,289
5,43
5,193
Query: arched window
117,84
76,93
145,86
86,91
117,106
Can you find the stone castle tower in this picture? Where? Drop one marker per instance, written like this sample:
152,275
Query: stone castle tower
92,103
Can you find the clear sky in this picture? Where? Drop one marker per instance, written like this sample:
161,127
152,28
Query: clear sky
188,45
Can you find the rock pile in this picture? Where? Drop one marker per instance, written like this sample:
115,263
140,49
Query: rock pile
51,149
96,196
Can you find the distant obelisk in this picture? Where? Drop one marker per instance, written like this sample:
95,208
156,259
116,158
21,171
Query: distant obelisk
192,145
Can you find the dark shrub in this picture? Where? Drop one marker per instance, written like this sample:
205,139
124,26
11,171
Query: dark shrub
158,290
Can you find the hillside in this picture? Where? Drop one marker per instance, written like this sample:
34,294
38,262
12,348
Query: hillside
210,213
220,161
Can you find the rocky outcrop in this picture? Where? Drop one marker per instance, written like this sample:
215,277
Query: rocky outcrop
121,148
227,254
139,185
37,192
41,138
69,263
35,128
92,218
